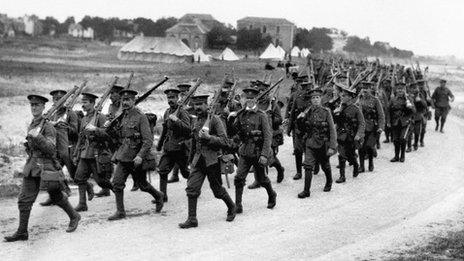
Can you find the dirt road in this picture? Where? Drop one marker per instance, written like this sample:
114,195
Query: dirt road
296,229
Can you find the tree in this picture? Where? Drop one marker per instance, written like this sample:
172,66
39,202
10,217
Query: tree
49,24
144,25
162,24
220,36
317,39
251,39
63,28
103,28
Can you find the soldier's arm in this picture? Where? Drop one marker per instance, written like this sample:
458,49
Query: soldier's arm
100,131
183,124
361,123
332,131
267,136
450,94
277,119
72,122
380,114
289,107
46,141
147,137
219,139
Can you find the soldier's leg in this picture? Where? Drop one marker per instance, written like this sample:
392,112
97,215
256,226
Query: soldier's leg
54,189
29,191
213,173
402,142
443,118
121,173
298,153
175,174
139,175
193,190
362,157
243,167
417,133
409,138
352,158
165,166
255,183
396,133
437,118
182,162
81,179
309,162
324,161
423,131
265,182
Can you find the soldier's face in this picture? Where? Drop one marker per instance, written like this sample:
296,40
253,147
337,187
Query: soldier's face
345,97
316,100
250,102
87,105
57,97
127,103
200,107
37,108
442,84
115,97
172,100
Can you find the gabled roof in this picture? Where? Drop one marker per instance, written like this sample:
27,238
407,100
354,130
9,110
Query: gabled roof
195,28
197,16
265,20
165,45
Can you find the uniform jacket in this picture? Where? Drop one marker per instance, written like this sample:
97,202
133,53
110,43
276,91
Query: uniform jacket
319,128
41,150
274,117
64,135
112,110
350,122
134,135
209,149
253,130
441,96
175,134
420,104
398,112
92,143
373,113
300,101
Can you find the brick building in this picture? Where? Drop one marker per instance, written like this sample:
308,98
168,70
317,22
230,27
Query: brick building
281,30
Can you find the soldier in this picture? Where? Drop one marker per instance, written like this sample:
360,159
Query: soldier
441,97
374,118
205,151
183,88
92,154
176,130
65,122
350,131
252,130
320,140
136,139
41,170
299,102
428,113
384,97
418,117
399,115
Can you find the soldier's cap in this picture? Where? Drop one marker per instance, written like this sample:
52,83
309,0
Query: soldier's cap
171,91
263,84
315,92
200,98
442,80
117,88
58,92
253,82
35,98
184,87
228,83
251,91
89,96
128,93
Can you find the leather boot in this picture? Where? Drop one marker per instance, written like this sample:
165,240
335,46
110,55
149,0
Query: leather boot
120,212
362,157
397,152
254,185
371,162
280,171
175,175
104,192
158,198
272,196
90,192
402,150
299,162
238,199
230,207
307,184
341,164
355,169
82,206
316,168
192,214
164,188
135,187
74,217
328,179
20,234
47,202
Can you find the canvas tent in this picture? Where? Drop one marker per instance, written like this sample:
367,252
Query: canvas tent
295,52
228,55
200,56
305,52
156,49
271,52
281,51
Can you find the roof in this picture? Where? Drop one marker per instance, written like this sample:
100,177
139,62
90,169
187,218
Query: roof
75,27
198,16
265,20
194,28
165,45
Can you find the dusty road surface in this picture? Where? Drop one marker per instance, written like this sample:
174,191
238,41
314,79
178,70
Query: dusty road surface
296,229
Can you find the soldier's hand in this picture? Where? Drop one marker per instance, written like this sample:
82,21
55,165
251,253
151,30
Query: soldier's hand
331,152
301,115
34,132
173,117
232,114
262,160
137,160
357,138
204,134
62,125
74,160
90,127
379,131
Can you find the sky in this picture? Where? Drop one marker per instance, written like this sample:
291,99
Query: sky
427,27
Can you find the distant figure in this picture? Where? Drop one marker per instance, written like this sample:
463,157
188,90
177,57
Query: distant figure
440,100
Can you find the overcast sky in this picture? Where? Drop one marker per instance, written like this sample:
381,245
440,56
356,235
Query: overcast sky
432,27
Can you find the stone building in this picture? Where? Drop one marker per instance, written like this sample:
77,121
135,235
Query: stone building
281,30
192,29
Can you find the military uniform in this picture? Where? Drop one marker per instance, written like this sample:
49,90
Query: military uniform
205,153
441,97
374,117
255,136
136,139
418,118
41,170
319,136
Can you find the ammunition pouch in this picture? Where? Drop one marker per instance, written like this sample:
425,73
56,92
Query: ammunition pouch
227,164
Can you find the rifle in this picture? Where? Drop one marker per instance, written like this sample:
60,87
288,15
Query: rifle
263,94
187,97
231,96
99,106
69,104
129,81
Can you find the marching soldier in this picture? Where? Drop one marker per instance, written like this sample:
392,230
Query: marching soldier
320,140
350,131
136,139
374,118
252,130
92,154
205,151
418,117
441,97
428,114
65,122
384,97
299,102
399,115
176,131
41,170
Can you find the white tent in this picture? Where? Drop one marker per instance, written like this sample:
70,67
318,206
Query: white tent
200,56
305,52
281,52
228,55
271,53
156,49
295,52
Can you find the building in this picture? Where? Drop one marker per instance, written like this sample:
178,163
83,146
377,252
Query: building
280,30
32,25
192,29
78,31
